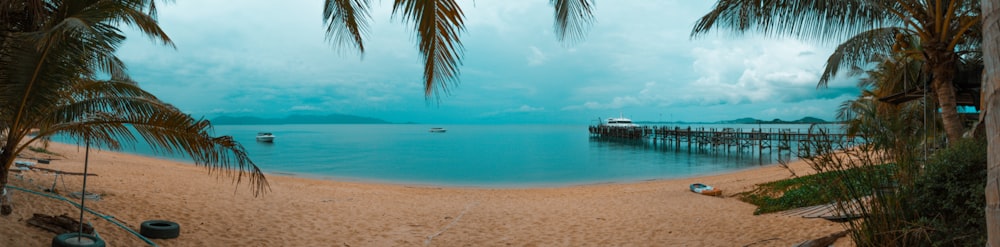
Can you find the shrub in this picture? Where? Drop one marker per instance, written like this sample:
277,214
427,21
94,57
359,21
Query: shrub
949,195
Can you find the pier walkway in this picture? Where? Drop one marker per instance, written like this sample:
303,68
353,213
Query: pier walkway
775,139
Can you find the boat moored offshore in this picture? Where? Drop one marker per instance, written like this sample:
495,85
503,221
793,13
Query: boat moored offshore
265,137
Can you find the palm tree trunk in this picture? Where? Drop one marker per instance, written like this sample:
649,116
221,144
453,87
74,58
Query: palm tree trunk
6,159
991,108
942,67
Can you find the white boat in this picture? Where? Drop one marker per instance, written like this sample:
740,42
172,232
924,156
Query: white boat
265,137
620,121
438,130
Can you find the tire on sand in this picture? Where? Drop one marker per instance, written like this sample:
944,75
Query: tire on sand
160,229
72,240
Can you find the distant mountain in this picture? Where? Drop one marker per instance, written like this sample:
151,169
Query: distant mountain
298,119
746,120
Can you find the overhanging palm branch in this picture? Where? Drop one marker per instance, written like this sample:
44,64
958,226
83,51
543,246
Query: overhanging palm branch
827,21
437,24
50,54
859,50
572,18
111,113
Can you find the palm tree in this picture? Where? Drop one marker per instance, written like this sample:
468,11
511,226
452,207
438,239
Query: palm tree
946,29
991,91
51,54
885,124
437,24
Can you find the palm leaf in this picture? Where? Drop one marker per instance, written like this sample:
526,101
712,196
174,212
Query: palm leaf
859,50
827,21
437,24
346,22
111,113
572,18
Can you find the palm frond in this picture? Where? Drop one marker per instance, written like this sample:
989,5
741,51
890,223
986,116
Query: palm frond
346,22
826,21
112,114
438,24
859,50
131,13
572,18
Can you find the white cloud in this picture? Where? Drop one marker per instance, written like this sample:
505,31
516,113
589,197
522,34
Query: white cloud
304,108
522,109
536,57
634,59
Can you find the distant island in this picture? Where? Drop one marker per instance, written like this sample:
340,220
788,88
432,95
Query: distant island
298,119
747,120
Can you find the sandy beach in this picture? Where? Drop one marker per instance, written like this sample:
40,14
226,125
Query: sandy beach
212,211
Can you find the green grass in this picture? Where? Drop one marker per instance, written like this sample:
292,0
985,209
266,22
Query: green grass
803,191
41,150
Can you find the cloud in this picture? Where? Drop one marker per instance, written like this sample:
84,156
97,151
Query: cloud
304,108
522,109
229,61
616,103
537,57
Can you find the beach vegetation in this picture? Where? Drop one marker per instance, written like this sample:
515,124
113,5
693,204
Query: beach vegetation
948,195
919,199
60,75
904,48
937,33
801,191
438,25
41,150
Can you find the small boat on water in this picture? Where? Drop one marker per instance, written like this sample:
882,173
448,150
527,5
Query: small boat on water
438,130
265,137
705,189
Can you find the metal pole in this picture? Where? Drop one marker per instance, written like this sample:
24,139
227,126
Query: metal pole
83,194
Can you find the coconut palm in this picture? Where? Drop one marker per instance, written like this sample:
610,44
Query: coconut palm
945,30
437,24
885,123
991,91
51,55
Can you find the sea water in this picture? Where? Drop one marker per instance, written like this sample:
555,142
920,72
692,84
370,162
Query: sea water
479,155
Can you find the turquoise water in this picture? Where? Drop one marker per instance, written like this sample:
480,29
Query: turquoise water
476,155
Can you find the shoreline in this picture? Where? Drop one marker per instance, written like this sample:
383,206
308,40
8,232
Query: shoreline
302,211
533,185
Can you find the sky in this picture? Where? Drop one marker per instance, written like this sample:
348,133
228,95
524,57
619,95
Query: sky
271,59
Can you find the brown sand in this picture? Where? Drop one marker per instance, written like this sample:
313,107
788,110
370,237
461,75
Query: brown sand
309,212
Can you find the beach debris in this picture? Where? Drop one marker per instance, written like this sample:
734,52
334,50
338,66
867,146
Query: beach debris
761,242
86,196
824,241
58,224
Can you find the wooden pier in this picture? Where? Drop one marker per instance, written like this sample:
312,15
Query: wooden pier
727,139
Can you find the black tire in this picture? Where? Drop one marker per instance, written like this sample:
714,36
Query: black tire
160,229
71,240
